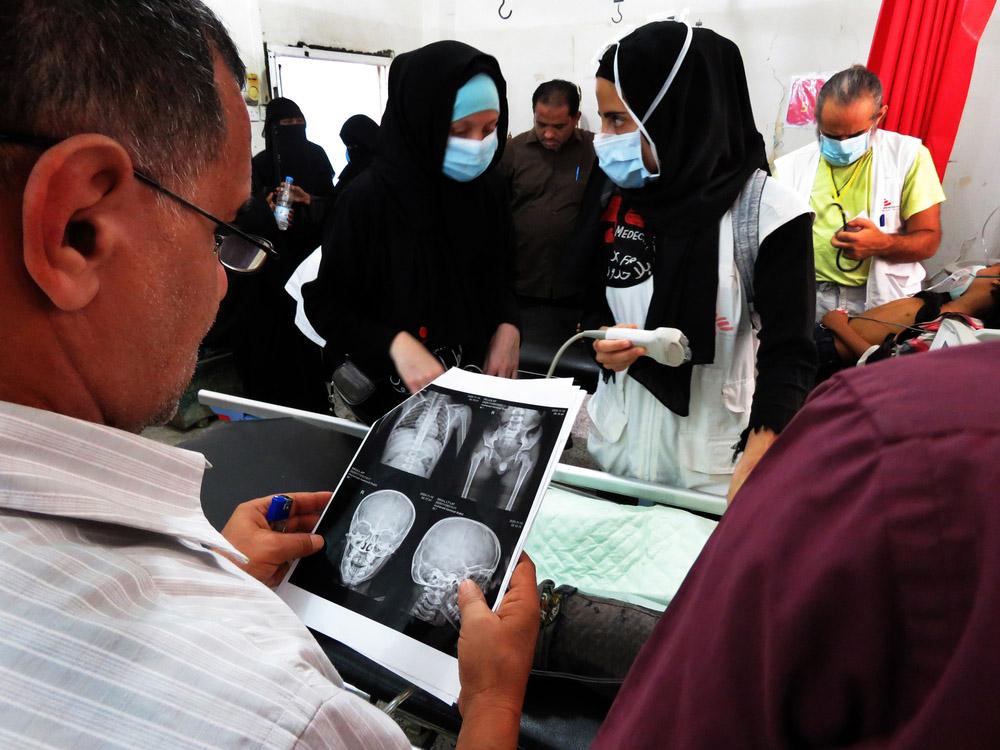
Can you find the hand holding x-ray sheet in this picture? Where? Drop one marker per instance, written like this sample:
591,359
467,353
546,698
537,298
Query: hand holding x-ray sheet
443,488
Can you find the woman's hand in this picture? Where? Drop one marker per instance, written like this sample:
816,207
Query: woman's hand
757,444
300,196
272,204
415,365
618,354
504,353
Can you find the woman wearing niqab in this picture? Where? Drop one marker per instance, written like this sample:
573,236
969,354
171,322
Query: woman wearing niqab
257,318
359,134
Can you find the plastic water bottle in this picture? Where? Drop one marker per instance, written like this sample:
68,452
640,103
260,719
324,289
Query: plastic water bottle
283,204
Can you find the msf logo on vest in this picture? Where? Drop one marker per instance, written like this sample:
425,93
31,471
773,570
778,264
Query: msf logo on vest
887,207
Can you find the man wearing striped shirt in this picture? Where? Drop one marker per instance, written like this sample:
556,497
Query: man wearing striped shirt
126,620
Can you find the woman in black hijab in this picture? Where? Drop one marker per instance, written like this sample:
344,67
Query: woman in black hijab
287,152
360,135
414,276
257,318
680,150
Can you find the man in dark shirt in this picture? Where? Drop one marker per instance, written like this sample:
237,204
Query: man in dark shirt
850,597
547,169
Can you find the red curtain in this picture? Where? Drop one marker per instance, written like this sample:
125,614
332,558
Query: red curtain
924,52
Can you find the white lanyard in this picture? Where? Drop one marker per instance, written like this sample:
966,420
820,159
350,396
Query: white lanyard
659,97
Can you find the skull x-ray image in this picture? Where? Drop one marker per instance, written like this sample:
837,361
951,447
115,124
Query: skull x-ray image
379,525
422,430
452,550
440,490
505,457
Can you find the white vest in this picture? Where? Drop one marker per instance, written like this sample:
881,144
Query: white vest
893,155
632,434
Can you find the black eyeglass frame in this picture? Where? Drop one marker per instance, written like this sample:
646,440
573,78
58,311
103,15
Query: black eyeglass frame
47,142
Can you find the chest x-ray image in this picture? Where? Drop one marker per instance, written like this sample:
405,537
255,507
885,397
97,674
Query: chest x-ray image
507,454
452,550
425,425
379,525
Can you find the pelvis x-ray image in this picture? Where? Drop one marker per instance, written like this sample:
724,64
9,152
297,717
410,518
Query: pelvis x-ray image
506,456
379,525
423,428
451,551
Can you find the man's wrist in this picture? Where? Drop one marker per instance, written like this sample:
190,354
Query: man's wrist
887,243
489,724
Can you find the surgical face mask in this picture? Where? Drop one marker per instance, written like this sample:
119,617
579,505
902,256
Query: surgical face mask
957,282
347,154
620,157
845,152
466,158
629,146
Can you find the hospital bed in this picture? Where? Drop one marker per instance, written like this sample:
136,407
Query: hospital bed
270,448
955,333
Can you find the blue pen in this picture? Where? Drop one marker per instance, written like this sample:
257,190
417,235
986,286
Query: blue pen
577,172
278,512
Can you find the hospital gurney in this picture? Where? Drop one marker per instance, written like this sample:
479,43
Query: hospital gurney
952,332
283,449
955,333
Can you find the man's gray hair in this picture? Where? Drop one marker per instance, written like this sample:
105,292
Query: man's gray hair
848,86
139,71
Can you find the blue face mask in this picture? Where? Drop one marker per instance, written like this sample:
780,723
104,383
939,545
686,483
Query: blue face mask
620,157
845,152
957,282
347,153
466,158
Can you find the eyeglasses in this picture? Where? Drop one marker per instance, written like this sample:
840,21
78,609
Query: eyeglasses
236,250
840,250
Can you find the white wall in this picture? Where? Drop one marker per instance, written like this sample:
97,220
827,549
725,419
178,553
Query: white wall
971,182
359,26
242,18
559,39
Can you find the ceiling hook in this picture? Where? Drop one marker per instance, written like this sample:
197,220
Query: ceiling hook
619,9
500,11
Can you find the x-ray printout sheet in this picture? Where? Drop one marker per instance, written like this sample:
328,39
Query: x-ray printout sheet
443,488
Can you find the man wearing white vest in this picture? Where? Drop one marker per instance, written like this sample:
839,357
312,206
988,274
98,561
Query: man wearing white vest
876,196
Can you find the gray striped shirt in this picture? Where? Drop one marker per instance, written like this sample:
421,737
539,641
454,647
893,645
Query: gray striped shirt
120,626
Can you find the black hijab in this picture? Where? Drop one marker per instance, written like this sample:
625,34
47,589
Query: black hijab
708,146
456,225
360,134
289,153
414,131
429,252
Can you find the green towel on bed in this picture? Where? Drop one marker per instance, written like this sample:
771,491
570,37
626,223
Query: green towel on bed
637,555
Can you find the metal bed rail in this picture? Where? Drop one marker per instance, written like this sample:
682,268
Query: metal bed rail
573,476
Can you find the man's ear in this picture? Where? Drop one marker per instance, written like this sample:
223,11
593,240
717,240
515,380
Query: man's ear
576,119
881,115
72,217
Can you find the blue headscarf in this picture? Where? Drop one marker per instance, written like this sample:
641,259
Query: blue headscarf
477,95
